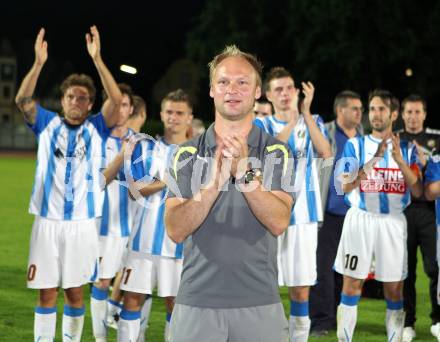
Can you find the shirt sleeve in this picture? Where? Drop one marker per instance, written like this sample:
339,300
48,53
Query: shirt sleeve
432,173
137,163
349,161
98,122
179,174
42,119
321,125
141,161
278,168
260,124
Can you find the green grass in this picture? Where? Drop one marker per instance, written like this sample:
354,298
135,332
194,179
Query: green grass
17,302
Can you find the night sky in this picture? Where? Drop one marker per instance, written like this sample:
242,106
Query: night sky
149,40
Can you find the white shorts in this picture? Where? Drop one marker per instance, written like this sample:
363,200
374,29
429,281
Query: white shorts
62,253
143,272
367,236
297,255
111,253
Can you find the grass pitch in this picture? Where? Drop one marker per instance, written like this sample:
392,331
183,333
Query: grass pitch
17,302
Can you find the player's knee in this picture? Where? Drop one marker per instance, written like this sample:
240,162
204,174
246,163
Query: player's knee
132,301
74,297
299,293
48,297
351,286
393,292
103,284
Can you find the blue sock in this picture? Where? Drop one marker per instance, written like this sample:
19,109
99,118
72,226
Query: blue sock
168,317
349,300
299,309
74,312
45,311
397,305
99,294
130,315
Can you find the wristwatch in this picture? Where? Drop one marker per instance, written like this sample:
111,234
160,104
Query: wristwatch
253,174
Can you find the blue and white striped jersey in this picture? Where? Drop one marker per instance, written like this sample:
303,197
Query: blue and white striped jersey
67,178
385,190
118,208
432,174
150,161
308,207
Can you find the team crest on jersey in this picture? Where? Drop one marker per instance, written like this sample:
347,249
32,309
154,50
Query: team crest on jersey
301,134
385,180
431,143
78,153
62,145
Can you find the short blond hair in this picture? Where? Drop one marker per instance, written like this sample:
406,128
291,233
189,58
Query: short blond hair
234,51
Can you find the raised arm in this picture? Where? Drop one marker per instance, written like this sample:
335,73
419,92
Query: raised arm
320,143
23,99
110,109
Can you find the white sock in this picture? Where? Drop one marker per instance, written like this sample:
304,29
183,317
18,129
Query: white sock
145,316
166,333
394,321
299,321
45,320
128,326
113,309
347,317
73,321
299,327
98,308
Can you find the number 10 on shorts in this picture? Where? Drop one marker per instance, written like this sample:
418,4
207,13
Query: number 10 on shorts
351,261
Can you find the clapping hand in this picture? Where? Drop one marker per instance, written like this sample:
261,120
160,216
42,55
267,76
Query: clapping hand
396,152
308,91
236,150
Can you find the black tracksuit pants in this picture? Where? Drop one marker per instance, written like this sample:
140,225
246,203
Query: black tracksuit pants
325,295
421,232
